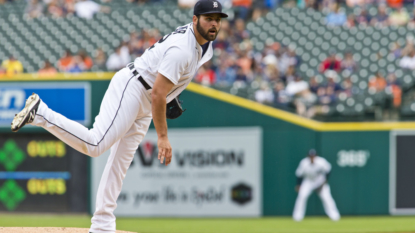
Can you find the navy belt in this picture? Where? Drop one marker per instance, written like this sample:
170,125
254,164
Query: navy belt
135,73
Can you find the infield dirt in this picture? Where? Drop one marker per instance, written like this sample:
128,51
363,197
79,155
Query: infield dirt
47,230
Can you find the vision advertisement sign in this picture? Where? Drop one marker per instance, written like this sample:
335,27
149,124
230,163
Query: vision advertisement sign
214,172
72,99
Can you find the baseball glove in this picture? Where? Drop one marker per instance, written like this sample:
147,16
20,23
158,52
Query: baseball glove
174,108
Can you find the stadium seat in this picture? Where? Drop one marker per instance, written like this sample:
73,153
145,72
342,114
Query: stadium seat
35,40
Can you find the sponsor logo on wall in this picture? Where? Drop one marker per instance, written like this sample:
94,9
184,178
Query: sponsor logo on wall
241,194
147,153
70,99
214,172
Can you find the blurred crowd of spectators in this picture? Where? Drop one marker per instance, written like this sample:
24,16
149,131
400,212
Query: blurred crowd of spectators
72,63
119,58
81,61
236,65
324,5
62,8
405,54
87,8
5,1
10,66
273,73
386,15
243,9
391,88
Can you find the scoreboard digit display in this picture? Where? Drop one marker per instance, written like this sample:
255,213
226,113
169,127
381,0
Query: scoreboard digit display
402,172
40,173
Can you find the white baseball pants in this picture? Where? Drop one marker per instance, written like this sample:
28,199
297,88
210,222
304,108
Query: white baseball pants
306,188
122,122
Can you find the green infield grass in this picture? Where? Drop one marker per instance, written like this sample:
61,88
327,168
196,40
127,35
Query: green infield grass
224,225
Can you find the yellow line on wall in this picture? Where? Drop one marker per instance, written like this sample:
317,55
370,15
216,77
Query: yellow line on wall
235,100
58,77
295,119
254,106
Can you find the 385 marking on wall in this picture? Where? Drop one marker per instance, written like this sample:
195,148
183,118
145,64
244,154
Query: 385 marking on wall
352,158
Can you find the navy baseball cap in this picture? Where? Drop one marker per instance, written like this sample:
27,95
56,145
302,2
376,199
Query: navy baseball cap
204,7
312,152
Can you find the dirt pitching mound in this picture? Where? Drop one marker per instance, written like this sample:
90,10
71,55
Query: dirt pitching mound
47,230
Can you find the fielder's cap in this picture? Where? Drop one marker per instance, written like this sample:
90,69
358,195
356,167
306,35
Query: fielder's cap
312,152
204,7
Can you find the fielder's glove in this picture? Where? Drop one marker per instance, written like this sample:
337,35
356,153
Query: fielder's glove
174,108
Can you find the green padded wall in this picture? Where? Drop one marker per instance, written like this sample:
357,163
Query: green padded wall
356,190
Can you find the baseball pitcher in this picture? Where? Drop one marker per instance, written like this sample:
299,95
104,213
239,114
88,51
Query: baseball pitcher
136,95
312,174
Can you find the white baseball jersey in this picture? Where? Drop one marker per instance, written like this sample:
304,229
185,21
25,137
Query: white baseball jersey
314,175
177,56
313,171
125,115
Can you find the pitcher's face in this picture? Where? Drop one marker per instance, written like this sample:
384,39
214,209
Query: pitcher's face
208,26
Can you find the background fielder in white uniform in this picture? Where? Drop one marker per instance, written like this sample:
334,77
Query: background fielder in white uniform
312,176
129,105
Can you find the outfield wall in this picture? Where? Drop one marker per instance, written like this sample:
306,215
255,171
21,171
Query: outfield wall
360,175
359,152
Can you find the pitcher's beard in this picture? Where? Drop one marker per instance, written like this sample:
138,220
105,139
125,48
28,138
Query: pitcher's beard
205,34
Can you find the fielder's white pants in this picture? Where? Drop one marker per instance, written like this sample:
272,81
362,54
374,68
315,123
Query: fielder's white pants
122,122
306,188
